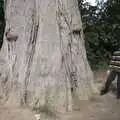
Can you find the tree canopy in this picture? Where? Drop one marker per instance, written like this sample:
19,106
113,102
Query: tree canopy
101,29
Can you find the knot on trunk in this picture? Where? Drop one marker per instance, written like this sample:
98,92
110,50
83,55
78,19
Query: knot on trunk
76,30
11,36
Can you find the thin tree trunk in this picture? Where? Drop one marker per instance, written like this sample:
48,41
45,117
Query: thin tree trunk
43,58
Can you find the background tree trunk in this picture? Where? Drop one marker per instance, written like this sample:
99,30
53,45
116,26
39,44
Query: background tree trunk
43,58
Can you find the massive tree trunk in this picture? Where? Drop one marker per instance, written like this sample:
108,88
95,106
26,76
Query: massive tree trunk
43,58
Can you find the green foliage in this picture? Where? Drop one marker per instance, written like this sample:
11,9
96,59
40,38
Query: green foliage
101,25
1,9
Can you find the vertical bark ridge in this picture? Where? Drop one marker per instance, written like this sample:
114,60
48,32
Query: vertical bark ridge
73,51
31,50
70,68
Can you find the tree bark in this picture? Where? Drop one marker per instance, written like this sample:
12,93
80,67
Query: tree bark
43,58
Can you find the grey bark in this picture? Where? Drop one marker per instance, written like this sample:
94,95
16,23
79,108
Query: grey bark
43,55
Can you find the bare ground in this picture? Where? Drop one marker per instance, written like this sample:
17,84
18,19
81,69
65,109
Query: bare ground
105,107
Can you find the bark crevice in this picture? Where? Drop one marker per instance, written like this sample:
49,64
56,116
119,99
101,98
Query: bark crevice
67,54
31,50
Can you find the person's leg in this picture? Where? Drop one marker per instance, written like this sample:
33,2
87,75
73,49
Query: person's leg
118,86
110,78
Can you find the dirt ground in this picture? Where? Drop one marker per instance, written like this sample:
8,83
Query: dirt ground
105,107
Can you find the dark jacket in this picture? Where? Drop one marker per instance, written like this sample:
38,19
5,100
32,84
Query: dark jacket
115,61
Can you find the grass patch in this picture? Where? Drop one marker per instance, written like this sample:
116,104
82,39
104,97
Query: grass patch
44,109
100,66
95,99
